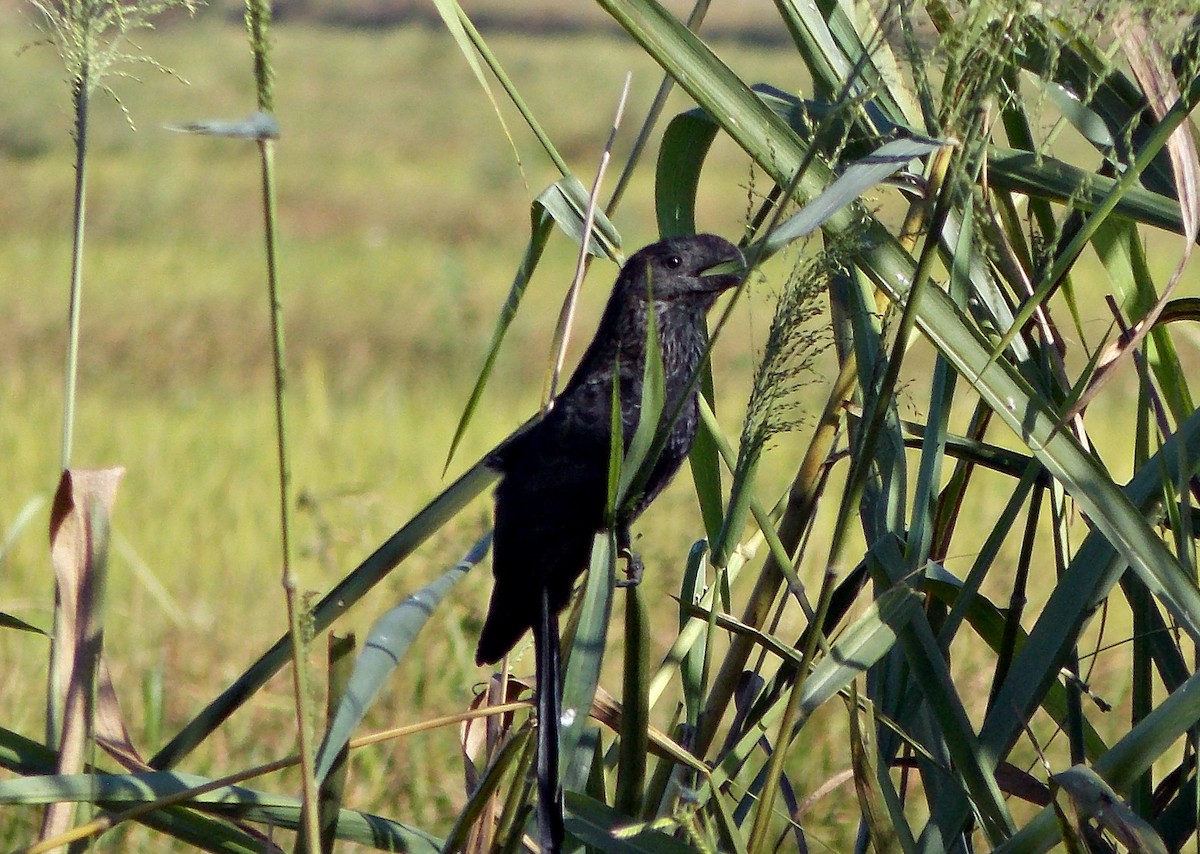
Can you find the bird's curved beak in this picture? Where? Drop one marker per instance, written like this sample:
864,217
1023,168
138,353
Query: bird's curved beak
725,273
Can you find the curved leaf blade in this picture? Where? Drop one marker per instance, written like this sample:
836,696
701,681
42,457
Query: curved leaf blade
384,649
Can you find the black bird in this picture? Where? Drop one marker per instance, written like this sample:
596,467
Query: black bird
551,499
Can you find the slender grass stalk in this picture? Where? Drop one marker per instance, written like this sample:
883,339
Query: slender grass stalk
766,802
81,95
258,22
80,90
566,318
297,616
695,19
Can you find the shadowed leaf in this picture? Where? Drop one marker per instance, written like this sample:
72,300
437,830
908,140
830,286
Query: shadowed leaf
79,533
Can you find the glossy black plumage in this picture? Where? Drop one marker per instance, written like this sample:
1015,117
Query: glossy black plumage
550,501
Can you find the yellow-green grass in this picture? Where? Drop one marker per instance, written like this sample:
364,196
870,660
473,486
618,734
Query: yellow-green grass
403,217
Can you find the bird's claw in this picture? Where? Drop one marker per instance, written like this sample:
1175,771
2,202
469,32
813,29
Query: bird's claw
634,568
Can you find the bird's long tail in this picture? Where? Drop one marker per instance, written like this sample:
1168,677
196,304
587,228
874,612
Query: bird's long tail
549,710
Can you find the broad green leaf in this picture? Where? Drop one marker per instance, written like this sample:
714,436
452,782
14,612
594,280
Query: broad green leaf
566,202
856,179
582,669
685,145
385,647
1095,800
117,790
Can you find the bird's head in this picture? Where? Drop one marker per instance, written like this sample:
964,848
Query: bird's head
682,268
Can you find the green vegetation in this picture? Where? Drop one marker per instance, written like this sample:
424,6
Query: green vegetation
966,592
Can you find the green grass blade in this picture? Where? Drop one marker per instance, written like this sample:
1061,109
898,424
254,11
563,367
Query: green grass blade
116,790
1126,761
1048,178
855,180
508,755
540,227
28,757
704,460
1090,576
691,663
871,637
332,605
1094,800
1120,249
635,705
988,621
638,456
685,145
932,677
835,49
582,671
1115,101
456,22
566,202
605,829
331,792
385,647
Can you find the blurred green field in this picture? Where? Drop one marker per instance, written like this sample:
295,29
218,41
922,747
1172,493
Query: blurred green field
404,213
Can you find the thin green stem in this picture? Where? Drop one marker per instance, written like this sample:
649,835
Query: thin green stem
82,97
513,94
81,93
296,616
787,726
652,116
258,21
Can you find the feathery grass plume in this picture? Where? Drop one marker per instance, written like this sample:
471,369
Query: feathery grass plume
794,342
92,38
796,339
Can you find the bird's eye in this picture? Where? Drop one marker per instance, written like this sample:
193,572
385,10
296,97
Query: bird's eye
674,261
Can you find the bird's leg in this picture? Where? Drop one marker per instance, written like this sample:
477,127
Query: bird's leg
633,561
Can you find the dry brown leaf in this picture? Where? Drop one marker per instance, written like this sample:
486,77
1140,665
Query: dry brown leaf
79,528
478,738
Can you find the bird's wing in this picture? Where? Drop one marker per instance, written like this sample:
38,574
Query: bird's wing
549,504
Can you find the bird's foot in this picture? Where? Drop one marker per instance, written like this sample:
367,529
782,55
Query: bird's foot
634,568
